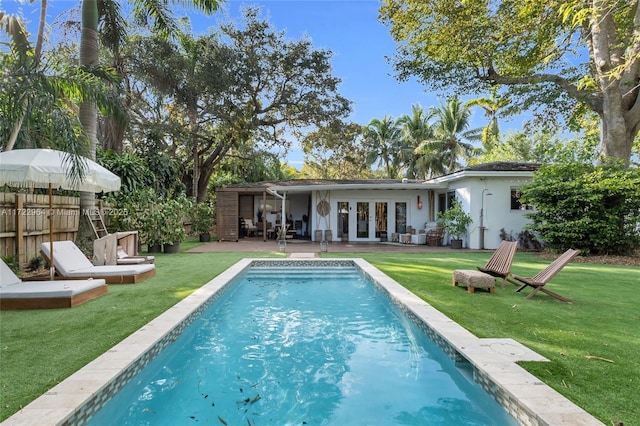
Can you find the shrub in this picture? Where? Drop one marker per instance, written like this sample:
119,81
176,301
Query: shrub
202,217
592,208
455,220
133,172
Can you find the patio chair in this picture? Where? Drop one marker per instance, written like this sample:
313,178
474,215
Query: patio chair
18,294
499,264
543,277
107,250
71,263
250,228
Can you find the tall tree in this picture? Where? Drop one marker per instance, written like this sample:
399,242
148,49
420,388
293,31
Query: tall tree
383,139
175,68
554,53
39,98
416,131
156,12
452,137
254,87
335,152
491,106
541,146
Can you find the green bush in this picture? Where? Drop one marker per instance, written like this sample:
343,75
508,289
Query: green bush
592,208
455,221
202,218
173,213
133,172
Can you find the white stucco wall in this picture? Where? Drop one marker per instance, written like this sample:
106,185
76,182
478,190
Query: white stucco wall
497,209
497,212
415,217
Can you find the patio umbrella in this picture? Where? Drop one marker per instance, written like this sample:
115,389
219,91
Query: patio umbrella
47,168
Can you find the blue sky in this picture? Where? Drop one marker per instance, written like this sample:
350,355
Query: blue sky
349,28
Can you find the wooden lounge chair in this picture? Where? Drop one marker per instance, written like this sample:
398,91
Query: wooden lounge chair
18,294
543,277
71,263
499,264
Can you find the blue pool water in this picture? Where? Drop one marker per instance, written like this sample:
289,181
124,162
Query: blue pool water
302,346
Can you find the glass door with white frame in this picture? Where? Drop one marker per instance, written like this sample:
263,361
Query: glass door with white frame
362,220
381,219
343,220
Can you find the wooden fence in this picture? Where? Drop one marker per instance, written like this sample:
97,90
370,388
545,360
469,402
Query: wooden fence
24,223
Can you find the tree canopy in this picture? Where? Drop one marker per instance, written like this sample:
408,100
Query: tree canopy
562,56
242,86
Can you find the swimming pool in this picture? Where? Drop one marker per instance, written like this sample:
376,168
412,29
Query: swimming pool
306,345
492,361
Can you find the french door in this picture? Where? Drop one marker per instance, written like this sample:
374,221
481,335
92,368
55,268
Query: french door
371,220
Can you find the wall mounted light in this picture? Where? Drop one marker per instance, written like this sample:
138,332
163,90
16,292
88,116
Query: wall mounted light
419,203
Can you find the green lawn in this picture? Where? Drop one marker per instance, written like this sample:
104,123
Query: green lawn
40,348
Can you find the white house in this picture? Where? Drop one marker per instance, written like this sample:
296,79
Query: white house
375,210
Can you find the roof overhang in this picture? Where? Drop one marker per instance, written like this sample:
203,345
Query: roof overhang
359,186
467,174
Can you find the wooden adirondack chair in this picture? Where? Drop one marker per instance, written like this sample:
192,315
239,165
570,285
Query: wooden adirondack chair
538,281
499,264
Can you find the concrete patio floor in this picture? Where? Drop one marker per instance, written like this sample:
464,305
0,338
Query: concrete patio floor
253,244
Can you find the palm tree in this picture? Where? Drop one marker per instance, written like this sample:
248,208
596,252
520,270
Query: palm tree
108,12
182,77
491,106
21,44
416,131
383,139
452,137
37,106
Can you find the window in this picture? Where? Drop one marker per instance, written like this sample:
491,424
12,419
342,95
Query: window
445,201
515,200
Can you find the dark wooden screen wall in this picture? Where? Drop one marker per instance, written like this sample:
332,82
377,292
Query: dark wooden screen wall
246,208
227,215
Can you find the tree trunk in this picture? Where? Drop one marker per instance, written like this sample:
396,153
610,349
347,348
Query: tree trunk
617,138
203,180
111,133
88,113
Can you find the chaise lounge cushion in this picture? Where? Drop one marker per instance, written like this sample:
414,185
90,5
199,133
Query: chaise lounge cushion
70,262
16,294
45,289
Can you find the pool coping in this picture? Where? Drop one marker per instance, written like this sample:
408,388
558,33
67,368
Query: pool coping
525,397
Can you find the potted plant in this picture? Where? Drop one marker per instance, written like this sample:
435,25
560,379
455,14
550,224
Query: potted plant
172,223
150,230
455,222
202,220
282,237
